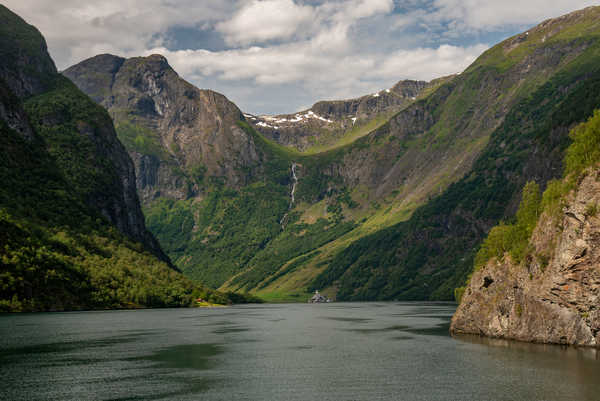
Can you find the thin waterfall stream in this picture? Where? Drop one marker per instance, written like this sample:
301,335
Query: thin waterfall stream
292,198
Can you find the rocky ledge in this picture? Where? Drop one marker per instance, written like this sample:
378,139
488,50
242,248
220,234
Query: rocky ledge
553,297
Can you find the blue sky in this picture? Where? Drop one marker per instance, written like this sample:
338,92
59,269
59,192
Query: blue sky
278,56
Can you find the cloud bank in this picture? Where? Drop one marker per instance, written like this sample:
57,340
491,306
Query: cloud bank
273,56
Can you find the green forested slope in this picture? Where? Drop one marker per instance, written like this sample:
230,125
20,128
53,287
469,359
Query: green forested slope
429,255
394,213
70,226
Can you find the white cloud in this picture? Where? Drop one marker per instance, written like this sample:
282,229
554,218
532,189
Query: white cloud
287,53
490,14
357,9
427,63
261,21
76,29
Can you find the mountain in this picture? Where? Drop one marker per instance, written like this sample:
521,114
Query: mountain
537,279
72,231
533,88
175,133
331,123
393,207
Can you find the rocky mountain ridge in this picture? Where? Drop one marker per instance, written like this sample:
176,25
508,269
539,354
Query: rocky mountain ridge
175,133
326,122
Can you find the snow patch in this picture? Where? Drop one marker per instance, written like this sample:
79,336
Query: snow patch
313,115
281,120
264,124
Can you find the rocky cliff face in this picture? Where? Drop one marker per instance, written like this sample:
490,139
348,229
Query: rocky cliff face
28,77
553,296
326,122
177,134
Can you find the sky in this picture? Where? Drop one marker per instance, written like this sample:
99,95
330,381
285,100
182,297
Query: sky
281,56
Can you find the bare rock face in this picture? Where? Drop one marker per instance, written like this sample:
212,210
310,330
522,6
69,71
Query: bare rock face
554,296
327,121
13,114
175,133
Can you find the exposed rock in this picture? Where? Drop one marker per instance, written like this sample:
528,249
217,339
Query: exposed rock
327,121
12,113
541,300
188,133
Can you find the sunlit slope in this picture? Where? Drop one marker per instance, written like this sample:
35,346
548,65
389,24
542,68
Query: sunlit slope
472,102
393,210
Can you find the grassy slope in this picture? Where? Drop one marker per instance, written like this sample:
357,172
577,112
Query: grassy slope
300,276
438,243
360,260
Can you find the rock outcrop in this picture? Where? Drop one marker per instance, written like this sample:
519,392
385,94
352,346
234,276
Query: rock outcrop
554,295
328,121
176,134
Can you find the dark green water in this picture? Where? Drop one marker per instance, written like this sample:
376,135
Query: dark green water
338,351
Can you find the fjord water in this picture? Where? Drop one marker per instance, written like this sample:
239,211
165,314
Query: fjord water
338,351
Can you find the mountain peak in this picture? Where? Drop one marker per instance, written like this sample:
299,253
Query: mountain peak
26,63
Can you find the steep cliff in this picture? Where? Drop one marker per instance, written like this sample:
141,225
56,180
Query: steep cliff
549,291
176,134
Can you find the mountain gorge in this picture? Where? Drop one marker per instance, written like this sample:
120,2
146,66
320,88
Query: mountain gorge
393,191
218,207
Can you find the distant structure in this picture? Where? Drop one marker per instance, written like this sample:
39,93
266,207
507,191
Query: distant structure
318,298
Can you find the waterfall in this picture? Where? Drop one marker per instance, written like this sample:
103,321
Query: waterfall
292,193
294,182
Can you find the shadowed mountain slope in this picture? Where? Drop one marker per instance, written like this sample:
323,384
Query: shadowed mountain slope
392,210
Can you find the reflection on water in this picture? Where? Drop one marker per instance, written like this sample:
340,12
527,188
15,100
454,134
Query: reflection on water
359,351
193,356
559,353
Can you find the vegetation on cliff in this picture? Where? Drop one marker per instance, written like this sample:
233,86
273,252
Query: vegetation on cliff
72,235
514,238
542,285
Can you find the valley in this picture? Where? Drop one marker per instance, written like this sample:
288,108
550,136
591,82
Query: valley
392,205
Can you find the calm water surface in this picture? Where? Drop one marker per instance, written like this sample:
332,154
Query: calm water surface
338,351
